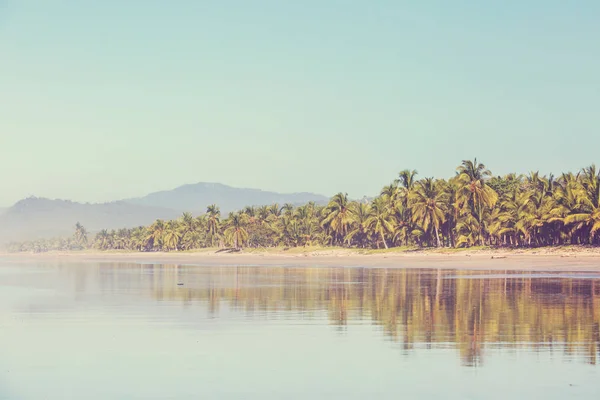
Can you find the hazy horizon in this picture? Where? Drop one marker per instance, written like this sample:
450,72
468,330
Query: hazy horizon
110,100
141,195
158,191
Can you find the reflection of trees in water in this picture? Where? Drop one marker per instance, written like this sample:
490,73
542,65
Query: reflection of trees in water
436,308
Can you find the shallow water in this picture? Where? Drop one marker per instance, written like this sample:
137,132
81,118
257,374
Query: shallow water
139,331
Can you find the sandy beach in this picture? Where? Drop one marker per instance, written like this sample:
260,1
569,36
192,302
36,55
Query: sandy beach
546,259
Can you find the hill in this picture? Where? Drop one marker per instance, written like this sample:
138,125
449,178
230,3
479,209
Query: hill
196,197
34,217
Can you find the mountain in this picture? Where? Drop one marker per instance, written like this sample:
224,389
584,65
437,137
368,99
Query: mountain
196,197
34,218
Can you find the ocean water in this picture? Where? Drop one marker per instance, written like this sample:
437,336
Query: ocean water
152,331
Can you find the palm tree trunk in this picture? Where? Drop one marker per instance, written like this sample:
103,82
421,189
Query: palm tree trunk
437,236
383,239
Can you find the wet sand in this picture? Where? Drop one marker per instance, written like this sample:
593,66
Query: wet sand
477,260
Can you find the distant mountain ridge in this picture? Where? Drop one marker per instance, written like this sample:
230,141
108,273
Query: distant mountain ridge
34,217
196,197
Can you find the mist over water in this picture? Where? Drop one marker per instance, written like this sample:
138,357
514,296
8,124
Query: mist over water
116,330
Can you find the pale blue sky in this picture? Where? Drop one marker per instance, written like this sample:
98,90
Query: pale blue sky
101,100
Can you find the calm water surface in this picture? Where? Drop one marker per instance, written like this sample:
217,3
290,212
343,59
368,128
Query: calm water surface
139,331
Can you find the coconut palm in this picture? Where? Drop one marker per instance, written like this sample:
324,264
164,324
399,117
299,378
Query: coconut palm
586,219
380,220
172,235
428,203
275,210
187,223
402,223
468,230
359,229
338,216
290,231
80,235
139,238
155,234
263,214
191,240
287,209
390,193
213,222
102,240
406,179
513,208
474,190
120,239
235,231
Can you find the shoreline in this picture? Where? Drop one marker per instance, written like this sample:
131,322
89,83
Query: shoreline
543,259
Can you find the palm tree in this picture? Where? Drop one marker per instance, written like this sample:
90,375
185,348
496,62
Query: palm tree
251,212
474,190
121,239
402,212
290,231
155,234
80,235
380,220
428,202
275,210
359,226
287,209
190,237
452,208
534,181
191,240
591,184
172,235
469,230
513,207
406,179
102,240
390,193
312,232
187,223
586,219
338,216
533,219
263,213
139,238
402,223
235,231
213,222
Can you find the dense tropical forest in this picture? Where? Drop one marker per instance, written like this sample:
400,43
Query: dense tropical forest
473,208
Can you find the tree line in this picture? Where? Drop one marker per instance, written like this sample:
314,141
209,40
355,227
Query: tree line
473,208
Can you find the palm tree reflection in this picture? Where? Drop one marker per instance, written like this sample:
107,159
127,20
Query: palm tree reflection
431,308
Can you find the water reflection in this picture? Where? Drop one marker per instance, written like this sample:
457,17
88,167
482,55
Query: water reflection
472,312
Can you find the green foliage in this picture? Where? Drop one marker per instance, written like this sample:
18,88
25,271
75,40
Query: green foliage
504,185
471,209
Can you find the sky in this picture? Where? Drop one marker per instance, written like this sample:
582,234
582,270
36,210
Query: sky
103,100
